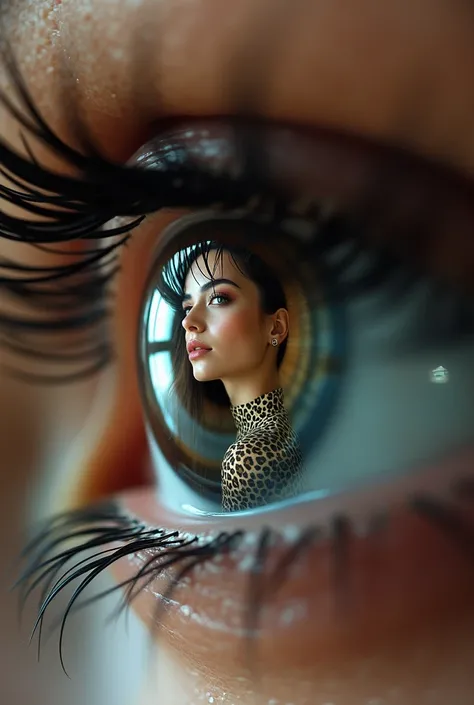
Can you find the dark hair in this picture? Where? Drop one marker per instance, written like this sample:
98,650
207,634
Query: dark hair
192,394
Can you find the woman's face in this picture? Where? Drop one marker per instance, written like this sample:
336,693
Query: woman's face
398,73
224,317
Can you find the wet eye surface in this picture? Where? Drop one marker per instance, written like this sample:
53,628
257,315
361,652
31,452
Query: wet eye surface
372,374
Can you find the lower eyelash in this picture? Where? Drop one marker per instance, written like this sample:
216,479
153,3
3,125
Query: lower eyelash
105,525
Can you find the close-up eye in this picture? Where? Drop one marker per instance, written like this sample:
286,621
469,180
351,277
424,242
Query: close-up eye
237,337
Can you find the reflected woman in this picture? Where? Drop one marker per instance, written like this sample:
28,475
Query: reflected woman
236,327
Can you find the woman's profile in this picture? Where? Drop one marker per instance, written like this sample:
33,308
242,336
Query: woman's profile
235,328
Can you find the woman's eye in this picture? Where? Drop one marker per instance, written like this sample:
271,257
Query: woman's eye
219,299
369,380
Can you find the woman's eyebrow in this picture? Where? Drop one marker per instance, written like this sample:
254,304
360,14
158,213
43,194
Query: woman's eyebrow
210,285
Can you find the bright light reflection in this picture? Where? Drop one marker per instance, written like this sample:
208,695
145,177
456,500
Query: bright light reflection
160,320
161,373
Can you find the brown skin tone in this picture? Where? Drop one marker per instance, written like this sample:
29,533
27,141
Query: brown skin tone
399,72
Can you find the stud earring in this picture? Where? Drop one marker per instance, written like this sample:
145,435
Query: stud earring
274,342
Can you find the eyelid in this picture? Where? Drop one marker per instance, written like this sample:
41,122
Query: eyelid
418,210
217,294
212,295
398,572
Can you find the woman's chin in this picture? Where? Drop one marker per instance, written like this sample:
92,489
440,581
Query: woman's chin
201,375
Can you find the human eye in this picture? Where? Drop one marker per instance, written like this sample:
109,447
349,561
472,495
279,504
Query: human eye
219,299
372,553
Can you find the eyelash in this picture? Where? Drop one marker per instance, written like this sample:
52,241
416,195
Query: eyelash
76,296
87,203
226,298
105,525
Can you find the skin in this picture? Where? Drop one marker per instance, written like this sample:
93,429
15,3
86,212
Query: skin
237,331
398,71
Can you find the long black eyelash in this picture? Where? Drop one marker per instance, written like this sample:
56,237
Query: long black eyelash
73,298
78,208
100,527
104,526
88,539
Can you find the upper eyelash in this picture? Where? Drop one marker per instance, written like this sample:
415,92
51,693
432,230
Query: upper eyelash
82,205
76,295
213,296
222,296
87,202
105,524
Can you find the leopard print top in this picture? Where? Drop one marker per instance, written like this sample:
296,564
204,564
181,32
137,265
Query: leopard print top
264,463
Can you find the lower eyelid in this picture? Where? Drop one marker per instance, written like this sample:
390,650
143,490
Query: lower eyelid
400,574
361,500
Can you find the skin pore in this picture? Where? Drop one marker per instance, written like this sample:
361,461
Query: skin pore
228,318
398,71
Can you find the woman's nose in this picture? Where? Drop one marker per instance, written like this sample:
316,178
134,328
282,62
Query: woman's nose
193,322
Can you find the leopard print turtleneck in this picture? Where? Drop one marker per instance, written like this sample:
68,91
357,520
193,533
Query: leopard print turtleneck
264,463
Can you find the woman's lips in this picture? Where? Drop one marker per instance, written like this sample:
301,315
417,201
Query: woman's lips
196,354
367,590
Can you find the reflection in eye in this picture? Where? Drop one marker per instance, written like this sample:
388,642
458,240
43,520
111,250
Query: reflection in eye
342,338
230,360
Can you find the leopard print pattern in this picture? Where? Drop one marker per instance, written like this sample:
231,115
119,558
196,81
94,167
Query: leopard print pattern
265,462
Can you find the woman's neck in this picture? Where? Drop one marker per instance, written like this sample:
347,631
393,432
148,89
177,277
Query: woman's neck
241,391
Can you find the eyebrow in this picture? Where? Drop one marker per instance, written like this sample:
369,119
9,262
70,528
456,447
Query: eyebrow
210,285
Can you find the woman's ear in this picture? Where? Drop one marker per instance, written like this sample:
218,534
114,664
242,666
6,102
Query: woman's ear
281,325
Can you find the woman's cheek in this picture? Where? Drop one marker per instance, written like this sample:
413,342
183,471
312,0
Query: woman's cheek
229,330
238,331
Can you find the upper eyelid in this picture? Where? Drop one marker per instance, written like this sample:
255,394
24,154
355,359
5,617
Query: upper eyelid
210,296
123,186
253,63
418,205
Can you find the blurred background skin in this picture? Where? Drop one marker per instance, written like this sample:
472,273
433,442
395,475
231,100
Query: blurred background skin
44,433
39,428
30,472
